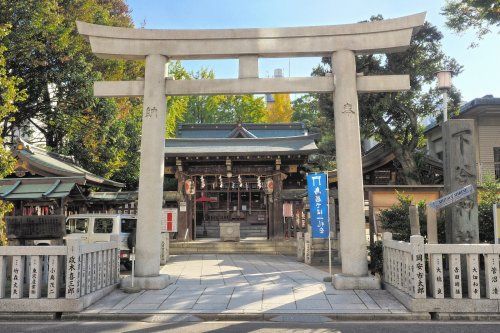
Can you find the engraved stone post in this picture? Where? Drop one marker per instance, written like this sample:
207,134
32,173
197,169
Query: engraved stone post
17,284
492,276
300,246
473,276
307,248
152,168
414,220
35,278
455,276
436,268
53,277
73,269
418,270
459,138
165,255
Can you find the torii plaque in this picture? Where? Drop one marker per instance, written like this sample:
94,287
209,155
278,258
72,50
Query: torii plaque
341,42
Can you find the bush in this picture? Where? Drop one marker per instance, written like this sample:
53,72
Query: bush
488,197
376,258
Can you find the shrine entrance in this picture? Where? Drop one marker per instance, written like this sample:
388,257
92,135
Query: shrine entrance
342,43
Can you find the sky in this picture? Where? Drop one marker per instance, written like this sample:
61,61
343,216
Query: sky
481,64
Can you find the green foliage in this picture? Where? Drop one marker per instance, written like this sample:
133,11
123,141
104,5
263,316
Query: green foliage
489,195
209,109
377,258
393,118
9,96
58,70
478,15
397,219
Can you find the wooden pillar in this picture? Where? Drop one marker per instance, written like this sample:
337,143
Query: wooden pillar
278,206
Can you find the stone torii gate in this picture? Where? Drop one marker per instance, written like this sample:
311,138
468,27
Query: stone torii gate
341,42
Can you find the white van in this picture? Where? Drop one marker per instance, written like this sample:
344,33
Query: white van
96,228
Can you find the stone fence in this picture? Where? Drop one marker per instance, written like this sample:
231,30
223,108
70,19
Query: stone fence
442,277
57,278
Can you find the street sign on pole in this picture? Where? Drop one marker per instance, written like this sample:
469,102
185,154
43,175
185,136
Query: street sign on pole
452,197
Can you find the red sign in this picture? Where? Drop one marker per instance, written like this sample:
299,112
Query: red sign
169,223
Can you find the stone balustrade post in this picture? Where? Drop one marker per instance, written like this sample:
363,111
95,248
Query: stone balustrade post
54,277
492,276
414,220
3,275
35,277
73,269
17,277
473,279
455,264
418,271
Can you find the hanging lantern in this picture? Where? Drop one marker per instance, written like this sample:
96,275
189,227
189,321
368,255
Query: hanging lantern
269,186
189,187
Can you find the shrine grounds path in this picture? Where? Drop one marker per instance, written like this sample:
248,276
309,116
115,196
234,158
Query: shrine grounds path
263,286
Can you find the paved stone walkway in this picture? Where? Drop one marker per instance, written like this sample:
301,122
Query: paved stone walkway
246,284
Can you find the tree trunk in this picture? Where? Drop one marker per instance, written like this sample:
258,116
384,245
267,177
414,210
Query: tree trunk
409,168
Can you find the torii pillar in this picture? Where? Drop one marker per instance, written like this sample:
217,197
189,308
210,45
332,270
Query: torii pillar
350,177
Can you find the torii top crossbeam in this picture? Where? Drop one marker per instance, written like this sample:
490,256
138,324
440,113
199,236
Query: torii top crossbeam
384,36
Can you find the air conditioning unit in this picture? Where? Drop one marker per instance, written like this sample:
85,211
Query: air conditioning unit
229,231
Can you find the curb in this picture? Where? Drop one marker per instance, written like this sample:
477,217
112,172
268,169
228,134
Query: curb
275,317
6,316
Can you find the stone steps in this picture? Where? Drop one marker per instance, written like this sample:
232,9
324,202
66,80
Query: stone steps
245,231
243,247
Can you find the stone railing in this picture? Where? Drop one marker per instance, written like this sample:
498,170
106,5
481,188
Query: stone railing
57,278
442,277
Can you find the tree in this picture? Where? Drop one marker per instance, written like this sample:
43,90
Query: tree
58,70
9,95
279,111
209,109
394,118
479,15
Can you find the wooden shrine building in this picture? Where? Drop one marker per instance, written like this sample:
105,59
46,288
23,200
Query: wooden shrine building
247,173
46,183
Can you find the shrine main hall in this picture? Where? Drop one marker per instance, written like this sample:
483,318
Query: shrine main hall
251,174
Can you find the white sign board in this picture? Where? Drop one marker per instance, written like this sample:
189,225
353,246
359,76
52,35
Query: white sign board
182,206
452,197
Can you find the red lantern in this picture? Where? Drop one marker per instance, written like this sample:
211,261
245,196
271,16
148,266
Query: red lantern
189,187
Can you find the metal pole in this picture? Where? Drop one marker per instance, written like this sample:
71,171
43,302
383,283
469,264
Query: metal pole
133,266
329,227
445,105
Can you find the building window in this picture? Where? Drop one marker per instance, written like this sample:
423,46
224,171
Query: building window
496,155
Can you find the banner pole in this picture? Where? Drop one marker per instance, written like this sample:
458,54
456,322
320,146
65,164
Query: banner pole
329,225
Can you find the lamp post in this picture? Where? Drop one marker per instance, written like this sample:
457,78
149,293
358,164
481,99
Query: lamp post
444,85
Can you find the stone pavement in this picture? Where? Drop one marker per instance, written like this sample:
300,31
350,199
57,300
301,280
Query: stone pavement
246,284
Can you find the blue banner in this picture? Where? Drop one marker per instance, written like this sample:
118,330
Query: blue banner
317,186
